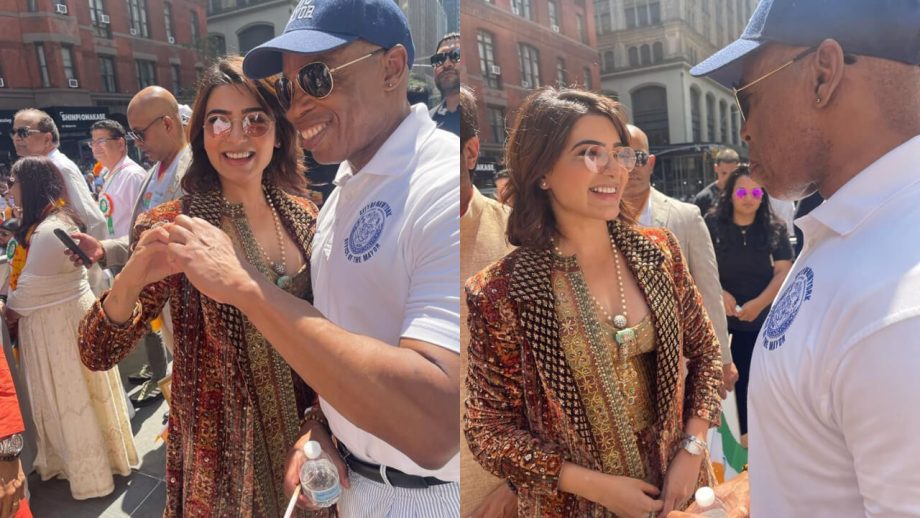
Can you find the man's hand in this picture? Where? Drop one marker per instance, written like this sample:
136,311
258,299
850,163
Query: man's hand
89,245
750,310
735,494
729,378
207,257
313,431
500,503
12,481
728,300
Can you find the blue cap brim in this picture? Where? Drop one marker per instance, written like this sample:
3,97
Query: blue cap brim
265,60
725,65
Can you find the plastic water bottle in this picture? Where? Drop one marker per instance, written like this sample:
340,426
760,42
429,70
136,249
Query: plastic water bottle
709,504
318,477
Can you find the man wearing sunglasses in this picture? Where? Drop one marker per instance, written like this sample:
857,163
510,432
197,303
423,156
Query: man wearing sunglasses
830,93
156,129
684,220
446,65
36,134
381,343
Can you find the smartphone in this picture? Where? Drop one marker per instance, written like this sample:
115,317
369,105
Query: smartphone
70,244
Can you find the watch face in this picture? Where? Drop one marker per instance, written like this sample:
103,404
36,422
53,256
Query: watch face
16,443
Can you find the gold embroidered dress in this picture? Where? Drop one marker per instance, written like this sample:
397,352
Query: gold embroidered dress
236,405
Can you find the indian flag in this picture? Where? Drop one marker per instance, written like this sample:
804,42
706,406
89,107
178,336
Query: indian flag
726,453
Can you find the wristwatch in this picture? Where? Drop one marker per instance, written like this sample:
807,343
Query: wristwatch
693,445
11,447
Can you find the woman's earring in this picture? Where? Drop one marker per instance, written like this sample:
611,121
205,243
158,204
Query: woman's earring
543,184
817,100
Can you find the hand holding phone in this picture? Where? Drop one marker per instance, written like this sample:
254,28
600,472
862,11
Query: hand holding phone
72,246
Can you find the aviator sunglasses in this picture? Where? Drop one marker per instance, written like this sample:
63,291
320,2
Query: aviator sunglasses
756,193
314,79
597,157
254,124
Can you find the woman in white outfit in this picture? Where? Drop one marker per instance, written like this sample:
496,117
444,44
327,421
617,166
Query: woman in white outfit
81,419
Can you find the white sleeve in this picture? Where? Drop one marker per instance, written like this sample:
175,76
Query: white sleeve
46,252
875,400
433,305
83,204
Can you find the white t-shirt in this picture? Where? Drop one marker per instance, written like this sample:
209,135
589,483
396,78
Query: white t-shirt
386,259
120,189
81,200
834,394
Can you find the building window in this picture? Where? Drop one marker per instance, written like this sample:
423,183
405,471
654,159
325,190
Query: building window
641,13
657,52
176,76
70,71
723,122
254,36
31,6
167,18
650,112
521,8
491,73
42,64
561,80
530,65
603,23
645,54
710,118
695,115
100,21
580,25
195,33
146,73
633,57
553,16
587,74
497,123
734,125
137,13
608,61
218,44
107,70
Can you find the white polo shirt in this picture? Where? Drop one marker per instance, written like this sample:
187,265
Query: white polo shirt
834,394
386,259
122,185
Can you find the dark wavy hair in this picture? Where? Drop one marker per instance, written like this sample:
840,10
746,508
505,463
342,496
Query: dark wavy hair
722,214
286,169
538,136
40,185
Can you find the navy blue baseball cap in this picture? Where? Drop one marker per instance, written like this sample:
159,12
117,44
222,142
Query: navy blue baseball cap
323,25
888,29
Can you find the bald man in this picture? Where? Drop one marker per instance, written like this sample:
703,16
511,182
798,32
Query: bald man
684,220
156,128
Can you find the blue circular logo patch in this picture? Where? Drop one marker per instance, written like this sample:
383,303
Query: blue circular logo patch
786,307
363,240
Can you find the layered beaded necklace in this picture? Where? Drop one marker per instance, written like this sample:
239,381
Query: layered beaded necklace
280,269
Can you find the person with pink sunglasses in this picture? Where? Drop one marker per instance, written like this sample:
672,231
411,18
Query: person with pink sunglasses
754,255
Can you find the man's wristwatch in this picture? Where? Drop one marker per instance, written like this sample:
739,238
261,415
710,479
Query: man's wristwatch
11,447
693,445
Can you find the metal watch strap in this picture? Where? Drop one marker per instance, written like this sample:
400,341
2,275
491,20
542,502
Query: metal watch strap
691,443
11,447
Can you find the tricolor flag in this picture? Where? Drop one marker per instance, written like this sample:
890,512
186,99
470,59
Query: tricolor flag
726,453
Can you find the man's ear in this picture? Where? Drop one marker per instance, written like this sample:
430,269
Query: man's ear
651,161
396,66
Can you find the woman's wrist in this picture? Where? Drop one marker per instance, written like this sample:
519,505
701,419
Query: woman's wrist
579,481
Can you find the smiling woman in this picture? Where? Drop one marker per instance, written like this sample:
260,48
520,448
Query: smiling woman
591,316
236,405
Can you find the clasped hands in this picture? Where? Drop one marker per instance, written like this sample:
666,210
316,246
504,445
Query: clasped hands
203,252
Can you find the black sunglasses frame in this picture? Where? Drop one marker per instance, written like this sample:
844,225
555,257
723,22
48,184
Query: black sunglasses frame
24,132
441,57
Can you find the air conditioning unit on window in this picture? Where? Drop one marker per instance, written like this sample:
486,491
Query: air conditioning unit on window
171,40
2,84
496,70
73,83
555,28
525,83
133,31
60,8
104,19
515,10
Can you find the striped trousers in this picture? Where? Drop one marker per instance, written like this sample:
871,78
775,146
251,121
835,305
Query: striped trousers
368,499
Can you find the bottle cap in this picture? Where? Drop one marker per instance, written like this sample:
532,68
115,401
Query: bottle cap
705,496
312,449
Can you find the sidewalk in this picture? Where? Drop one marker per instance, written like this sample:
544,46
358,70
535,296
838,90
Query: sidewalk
142,494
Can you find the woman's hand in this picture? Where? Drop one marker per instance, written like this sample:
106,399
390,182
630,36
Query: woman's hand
680,481
728,300
500,503
148,263
627,497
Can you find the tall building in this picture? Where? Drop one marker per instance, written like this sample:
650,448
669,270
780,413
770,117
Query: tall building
646,50
511,47
237,26
428,22
83,61
452,10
